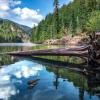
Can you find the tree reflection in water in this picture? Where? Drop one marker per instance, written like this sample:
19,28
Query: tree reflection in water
56,81
93,82
92,86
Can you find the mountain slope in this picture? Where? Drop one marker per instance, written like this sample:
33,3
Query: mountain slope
13,32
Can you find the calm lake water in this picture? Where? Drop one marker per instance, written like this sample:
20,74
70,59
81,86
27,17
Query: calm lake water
49,81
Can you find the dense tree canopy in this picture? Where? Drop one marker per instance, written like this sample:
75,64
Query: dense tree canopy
75,17
93,24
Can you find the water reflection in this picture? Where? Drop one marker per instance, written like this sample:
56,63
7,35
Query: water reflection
51,80
53,83
15,74
93,81
5,59
17,44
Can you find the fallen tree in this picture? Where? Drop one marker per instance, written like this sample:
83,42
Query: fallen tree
91,52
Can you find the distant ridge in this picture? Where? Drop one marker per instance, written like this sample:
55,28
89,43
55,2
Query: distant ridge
13,32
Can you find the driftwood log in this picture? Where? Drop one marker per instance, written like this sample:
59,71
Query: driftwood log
52,52
94,49
91,52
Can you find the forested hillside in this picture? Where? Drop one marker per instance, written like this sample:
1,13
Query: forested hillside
13,32
78,16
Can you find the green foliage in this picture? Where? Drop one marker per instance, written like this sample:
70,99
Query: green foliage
69,19
56,18
10,31
93,23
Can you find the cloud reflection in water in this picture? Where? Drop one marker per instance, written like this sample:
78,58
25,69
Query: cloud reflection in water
14,78
20,69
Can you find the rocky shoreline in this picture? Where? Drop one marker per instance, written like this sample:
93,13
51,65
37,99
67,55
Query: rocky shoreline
68,40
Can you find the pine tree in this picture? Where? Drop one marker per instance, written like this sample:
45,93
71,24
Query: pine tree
92,4
56,17
83,14
98,5
74,23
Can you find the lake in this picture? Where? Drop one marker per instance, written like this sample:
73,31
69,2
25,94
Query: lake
30,78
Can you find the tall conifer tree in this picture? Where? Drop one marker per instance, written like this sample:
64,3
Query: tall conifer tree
56,17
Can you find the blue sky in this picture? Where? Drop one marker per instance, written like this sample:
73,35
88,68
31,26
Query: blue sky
27,12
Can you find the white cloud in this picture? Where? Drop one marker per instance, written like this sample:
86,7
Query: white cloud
19,69
14,2
28,14
6,4
17,11
6,88
25,16
26,72
4,7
